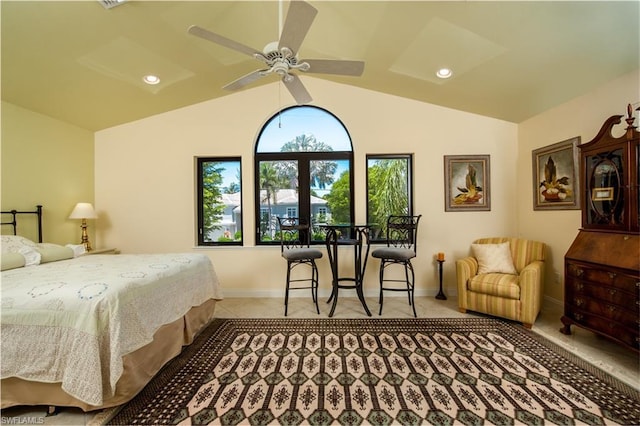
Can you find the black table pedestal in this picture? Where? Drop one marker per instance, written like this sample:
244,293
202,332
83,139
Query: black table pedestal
440,294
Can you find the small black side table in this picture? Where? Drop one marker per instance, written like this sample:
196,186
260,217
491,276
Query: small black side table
354,235
440,294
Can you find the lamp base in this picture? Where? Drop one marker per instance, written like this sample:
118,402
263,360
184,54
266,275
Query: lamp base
85,237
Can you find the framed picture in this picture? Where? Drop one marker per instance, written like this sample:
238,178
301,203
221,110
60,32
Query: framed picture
602,194
466,183
555,176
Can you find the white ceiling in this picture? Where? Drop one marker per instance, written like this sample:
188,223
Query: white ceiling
83,64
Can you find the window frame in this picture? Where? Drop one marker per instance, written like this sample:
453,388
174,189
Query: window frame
303,159
199,162
378,236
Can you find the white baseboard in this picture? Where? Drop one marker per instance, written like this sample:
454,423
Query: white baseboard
555,303
322,293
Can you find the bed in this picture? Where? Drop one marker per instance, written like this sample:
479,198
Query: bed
90,331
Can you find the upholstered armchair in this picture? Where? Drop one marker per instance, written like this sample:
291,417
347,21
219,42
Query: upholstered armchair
503,277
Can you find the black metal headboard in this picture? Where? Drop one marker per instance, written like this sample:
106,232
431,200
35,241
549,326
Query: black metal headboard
14,222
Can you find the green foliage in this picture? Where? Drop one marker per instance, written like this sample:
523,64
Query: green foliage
211,196
321,172
339,200
388,191
233,188
270,181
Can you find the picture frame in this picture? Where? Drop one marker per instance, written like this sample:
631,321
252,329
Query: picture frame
602,194
467,183
556,180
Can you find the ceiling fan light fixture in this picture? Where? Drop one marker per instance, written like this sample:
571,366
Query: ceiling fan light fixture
271,47
444,73
151,79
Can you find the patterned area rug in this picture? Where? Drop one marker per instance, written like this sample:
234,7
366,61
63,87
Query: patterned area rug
378,371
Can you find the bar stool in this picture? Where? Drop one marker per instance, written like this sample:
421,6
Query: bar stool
294,247
402,234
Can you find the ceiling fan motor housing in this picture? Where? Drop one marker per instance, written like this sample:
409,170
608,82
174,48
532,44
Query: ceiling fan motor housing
281,61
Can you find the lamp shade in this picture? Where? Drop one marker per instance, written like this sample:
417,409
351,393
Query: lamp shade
83,211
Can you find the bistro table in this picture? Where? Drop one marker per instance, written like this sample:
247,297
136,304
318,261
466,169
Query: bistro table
356,236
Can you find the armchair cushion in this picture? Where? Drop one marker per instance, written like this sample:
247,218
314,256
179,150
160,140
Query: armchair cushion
496,284
494,258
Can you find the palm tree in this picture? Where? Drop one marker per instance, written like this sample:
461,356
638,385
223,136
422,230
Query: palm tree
271,181
322,172
388,192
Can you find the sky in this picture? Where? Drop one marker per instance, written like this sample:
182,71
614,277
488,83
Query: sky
297,121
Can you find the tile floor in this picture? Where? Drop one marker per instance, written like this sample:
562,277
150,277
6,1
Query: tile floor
608,356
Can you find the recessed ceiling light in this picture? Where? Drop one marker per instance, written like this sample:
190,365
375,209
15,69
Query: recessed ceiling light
151,79
444,73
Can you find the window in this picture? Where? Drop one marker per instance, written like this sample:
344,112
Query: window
303,164
219,201
292,212
389,190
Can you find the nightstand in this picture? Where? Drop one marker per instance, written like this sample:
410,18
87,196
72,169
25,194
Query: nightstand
103,251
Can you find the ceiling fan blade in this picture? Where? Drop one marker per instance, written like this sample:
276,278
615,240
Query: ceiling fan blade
243,81
296,26
297,89
331,66
222,41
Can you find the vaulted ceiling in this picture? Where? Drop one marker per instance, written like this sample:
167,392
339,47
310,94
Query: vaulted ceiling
82,63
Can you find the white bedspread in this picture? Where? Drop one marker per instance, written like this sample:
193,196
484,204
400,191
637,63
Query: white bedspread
72,321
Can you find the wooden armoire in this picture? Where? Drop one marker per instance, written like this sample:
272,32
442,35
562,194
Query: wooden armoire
602,266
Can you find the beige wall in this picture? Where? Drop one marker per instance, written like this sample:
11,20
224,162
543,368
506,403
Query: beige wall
582,117
145,177
47,162
144,174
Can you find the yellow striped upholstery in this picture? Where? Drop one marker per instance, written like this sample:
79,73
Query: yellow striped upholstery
501,285
517,298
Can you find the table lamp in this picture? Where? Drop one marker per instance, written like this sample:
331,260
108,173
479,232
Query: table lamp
84,211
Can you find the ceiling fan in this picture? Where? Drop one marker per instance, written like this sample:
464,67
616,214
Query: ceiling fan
281,57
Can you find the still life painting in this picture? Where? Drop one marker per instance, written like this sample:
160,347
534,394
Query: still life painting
467,183
555,180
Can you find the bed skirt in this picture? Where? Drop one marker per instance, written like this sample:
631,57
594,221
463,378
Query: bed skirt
139,367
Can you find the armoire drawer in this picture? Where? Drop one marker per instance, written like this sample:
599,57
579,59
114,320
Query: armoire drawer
627,335
591,274
609,294
605,310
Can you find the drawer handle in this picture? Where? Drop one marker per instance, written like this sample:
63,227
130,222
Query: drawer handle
613,291
579,302
579,286
612,308
612,275
579,272
579,317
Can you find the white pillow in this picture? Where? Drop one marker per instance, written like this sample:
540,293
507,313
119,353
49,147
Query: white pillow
13,243
31,256
22,245
494,258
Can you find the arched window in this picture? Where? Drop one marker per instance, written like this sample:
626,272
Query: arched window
303,168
